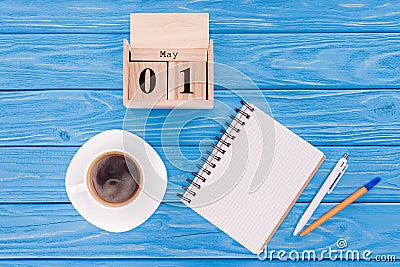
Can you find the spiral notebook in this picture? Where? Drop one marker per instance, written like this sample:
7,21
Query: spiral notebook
252,177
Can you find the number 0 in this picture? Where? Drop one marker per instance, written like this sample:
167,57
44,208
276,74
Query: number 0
142,80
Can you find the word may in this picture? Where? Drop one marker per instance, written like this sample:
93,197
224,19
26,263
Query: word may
165,54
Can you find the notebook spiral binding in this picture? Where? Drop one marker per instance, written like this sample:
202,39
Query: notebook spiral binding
219,149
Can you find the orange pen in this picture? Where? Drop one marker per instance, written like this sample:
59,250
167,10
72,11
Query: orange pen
364,189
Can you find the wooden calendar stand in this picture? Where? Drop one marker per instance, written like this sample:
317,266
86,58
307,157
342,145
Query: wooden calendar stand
169,62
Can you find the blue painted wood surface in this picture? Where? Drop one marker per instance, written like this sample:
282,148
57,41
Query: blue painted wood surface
284,61
328,69
57,230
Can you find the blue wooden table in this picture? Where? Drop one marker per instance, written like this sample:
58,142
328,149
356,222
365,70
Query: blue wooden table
330,71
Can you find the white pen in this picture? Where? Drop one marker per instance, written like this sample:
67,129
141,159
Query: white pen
327,187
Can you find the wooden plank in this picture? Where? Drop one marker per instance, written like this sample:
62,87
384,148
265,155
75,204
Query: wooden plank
173,262
271,61
57,62
225,16
48,231
37,174
169,31
333,117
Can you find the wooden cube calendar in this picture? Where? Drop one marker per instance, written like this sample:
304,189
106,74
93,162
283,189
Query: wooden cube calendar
169,62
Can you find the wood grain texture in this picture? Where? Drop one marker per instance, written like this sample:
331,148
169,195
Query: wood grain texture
57,230
210,69
225,16
73,60
333,117
126,73
178,262
37,175
154,82
271,61
196,72
169,31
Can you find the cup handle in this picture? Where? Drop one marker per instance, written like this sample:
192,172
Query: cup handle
77,188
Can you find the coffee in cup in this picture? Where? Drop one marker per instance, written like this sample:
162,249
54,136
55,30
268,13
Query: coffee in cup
114,179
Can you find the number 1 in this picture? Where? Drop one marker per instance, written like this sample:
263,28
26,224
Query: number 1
186,86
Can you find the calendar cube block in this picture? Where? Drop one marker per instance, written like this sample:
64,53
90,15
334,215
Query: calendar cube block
147,83
169,63
187,80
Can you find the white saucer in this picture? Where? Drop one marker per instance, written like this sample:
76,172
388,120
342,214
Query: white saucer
118,219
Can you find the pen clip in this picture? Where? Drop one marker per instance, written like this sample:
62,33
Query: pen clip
336,181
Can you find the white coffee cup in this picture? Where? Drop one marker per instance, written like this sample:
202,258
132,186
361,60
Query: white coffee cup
106,209
120,178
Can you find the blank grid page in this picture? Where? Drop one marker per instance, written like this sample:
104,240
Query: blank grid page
271,156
